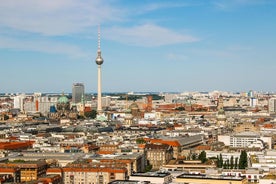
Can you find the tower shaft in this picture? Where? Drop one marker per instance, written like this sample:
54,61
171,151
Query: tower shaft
99,101
99,62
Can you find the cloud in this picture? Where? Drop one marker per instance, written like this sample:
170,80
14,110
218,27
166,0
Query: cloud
176,57
148,35
232,4
55,17
41,45
167,5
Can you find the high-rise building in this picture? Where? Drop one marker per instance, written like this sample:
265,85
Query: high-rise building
77,92
18,102
99,62
272,105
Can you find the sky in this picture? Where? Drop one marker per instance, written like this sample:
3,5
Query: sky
147,45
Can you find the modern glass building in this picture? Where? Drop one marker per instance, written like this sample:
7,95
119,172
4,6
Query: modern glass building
77,92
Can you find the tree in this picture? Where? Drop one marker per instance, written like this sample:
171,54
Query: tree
220,161
140,141
91,114
225,165
180,108
6,117
243,160
202,157
232,162
194,156
236,163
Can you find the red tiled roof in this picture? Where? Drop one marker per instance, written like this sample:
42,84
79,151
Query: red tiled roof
172,143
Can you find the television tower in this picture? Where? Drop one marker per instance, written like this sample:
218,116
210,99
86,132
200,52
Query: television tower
99,62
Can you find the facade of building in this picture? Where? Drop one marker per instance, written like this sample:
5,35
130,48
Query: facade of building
91,174
77,92
246,140
202,178
272,105
154,178
158,155
28,171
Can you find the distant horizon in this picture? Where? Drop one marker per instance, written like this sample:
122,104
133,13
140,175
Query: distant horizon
139,92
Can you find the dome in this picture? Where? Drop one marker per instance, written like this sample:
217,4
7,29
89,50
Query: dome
63,99
133,106
221,112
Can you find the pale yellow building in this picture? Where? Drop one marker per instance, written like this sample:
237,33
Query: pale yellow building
205,179
246,127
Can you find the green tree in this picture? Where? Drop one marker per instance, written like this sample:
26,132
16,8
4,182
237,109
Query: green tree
243,160
140,141
227,164
224,165
232,162
6,117
180,108
91,114
220,161
236,163
194,156
202,157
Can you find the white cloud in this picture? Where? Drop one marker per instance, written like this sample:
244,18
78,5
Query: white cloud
148,35
230,4
41,45
177,57
166,5
55,17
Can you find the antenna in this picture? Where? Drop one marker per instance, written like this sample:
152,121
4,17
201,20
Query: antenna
99,37
99,59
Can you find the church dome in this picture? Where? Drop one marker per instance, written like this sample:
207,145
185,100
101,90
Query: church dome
133,106
63,100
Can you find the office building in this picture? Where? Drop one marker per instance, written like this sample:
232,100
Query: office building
77,92
272,105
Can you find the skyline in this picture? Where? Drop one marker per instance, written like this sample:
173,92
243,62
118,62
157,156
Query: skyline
147,45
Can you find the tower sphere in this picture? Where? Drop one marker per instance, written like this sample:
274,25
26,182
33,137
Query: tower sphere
99,60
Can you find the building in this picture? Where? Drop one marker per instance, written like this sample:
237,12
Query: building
28,171
90,173
158,155
208,179
246,140
272,105
38,103
155,178
77,92
246,127
11,172
268,179
18,102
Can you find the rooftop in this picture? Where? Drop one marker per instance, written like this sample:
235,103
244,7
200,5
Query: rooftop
209,177
128,182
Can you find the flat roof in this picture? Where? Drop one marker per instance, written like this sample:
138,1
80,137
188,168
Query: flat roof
151,174
209,177
128,182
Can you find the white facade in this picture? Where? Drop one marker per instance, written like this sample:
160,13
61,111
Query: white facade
272,105
149,115
245,139
18,102
253,102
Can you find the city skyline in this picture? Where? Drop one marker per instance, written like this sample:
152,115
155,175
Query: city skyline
148,46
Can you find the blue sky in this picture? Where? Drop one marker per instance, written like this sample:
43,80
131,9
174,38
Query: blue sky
147,45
